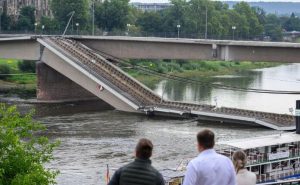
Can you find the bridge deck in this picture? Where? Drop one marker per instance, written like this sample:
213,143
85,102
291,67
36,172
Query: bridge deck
99,65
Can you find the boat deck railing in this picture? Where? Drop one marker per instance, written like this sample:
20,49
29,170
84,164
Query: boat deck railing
279,174
285,182
256,158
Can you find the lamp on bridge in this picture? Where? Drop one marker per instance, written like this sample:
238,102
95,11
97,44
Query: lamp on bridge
1,11
35,27
43,27
77,26
233,30
128,28
178,30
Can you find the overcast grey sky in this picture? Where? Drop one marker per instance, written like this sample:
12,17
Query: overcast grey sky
165,1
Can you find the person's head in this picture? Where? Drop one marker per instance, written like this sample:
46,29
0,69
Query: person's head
239,160
206,140
143,149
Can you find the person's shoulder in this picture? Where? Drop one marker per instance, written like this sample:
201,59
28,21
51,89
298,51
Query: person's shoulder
223,157
153,169
126,166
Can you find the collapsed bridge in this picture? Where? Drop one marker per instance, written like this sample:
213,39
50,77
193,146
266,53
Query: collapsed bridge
84,67
97,73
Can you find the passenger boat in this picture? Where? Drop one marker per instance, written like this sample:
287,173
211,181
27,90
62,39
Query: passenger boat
272,158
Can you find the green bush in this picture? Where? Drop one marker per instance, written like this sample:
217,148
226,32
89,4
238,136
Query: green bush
23,153
4,69
27,66
161,68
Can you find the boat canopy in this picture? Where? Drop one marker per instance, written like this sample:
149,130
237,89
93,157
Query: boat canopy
263,141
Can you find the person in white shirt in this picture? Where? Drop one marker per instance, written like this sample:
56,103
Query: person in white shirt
209,168
243,177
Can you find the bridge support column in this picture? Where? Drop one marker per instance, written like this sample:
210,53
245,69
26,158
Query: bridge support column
54,87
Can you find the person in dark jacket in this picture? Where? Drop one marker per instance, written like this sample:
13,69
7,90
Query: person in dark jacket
140,171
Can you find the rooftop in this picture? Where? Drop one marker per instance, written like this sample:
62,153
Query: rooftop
263,141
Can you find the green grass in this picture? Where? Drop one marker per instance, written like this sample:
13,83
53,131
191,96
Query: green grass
14,69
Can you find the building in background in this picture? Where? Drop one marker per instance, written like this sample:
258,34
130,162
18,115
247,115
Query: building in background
151,6
13,7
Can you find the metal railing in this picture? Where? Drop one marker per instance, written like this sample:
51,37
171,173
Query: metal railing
129,33
283,182
103,69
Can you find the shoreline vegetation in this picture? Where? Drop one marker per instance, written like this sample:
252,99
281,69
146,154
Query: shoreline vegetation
21,79
191,69
17,78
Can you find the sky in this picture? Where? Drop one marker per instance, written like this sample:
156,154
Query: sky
166,1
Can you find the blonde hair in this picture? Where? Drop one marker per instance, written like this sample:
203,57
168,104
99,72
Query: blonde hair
239,160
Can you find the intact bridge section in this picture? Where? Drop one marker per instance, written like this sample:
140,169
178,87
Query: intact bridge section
93,74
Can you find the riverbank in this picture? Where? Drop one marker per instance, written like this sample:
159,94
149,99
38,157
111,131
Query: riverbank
191,69
20,82
17,71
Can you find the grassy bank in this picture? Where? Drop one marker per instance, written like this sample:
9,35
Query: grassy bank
188,69
19,72
192,69
17,78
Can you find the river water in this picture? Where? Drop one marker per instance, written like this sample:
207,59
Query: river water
90,140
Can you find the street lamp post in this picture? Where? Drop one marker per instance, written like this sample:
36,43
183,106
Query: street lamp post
43,27
128,28
35,27
1,19
206,23
77,26
233,30
178,30
93,26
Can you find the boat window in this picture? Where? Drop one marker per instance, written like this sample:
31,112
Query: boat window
274,149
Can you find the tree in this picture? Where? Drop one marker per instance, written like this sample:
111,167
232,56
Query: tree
112,14
255,28
4,70
62,9
23,153
150,22
175,15
5,19
273,28
51,25
26,19
292,24
27,66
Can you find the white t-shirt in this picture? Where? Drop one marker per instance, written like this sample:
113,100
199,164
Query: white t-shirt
244,177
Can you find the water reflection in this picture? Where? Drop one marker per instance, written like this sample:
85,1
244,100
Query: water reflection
284,77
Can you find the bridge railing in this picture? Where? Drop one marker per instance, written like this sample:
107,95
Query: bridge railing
261,37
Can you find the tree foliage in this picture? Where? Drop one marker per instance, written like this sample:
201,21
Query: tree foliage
4,69
112,14
196,18
23,153
62,9
27,66
26,19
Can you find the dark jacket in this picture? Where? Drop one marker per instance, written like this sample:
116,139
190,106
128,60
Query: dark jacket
138,172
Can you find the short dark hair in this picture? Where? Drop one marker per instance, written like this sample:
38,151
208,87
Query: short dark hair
144,149
206,138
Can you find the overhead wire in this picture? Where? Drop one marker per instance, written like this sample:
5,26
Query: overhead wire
192,81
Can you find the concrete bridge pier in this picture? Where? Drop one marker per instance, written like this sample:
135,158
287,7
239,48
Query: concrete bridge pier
55,87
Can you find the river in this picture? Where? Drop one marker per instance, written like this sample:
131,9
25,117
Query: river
90,140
